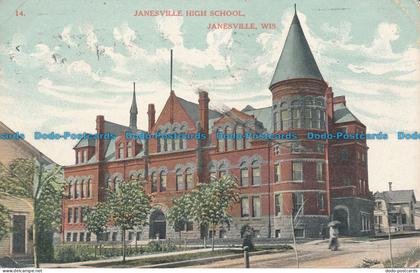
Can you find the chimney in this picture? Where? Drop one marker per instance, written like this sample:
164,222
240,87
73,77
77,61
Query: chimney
390,186
203,106
151,113
340,99
100,129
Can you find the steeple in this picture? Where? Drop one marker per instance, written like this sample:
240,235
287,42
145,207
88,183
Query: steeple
296,59
133,110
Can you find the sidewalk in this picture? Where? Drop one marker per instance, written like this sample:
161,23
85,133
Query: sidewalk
119,258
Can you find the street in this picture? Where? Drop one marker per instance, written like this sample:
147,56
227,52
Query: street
316,254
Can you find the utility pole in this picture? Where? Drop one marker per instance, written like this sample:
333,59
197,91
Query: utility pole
390,243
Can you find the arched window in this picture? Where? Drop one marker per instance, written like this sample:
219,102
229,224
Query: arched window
162,179
189,179
316,118
130,149
159,142
229,135
70,190
256,173
180,184
243,169
153,178
284,117
89,188
82,189
239,138
165,142
121,150
275,121
77,189
296,115
220,140
222,170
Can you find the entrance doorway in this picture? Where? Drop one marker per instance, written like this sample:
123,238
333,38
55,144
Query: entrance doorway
157,227
342,215
19,234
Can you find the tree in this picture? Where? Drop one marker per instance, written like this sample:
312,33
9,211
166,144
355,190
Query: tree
212,201
96,220
43,185
179,213
4,221
128,207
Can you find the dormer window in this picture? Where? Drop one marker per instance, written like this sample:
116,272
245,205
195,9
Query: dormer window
121,150
130,149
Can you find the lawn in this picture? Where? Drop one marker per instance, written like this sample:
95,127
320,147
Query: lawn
405,260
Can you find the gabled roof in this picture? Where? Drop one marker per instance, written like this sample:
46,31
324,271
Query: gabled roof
192,110
296,59
401,196
264,115
342,114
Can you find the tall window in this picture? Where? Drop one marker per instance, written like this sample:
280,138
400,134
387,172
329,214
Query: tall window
189,179
239,138
256,175
76,215
173,144
297,172
69,215
220,140
89,188
85,156
180,184
278,203
244,207
316,118
159,144
162,181
154,182
82,187
284,120
130,149
70,190
277,172
243,175
77,190
297,202
229,140
256,206
321,201
275,121
320,171
121,150
296,122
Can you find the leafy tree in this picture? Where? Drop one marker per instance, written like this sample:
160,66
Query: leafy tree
212,201
128,206
179,213
43,185
96,220
4,221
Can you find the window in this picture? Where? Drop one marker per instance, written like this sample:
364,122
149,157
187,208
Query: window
162,181
76,215
320,171
131,236
297,203
180,185
320,147
82,187
165,141
230,140
243,175
159,144
277,150
222,173
307,117
189,226
239,138
278,204
284,120
220,141
275,121
189,179
130,149
344,155
379,205
297,173
316,118
277,172
154,182
77,190
403,219
138,236
296,122
114,236
121,150
83,213
89,188
256,206
81,237
85,156
256,174
68,237
69,215
277,233
173,144
74,236
244,207
88,235
321,201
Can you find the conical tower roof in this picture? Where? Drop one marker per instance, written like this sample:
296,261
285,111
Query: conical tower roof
296,59
133,108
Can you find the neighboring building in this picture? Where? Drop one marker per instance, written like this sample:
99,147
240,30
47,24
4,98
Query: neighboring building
417,216
17,243
328,178
394,211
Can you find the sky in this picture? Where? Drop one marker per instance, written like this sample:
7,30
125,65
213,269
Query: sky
64,62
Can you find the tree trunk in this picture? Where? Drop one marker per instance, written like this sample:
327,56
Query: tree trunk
35,237
123,244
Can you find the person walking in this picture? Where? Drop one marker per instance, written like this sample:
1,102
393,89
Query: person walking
333,242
